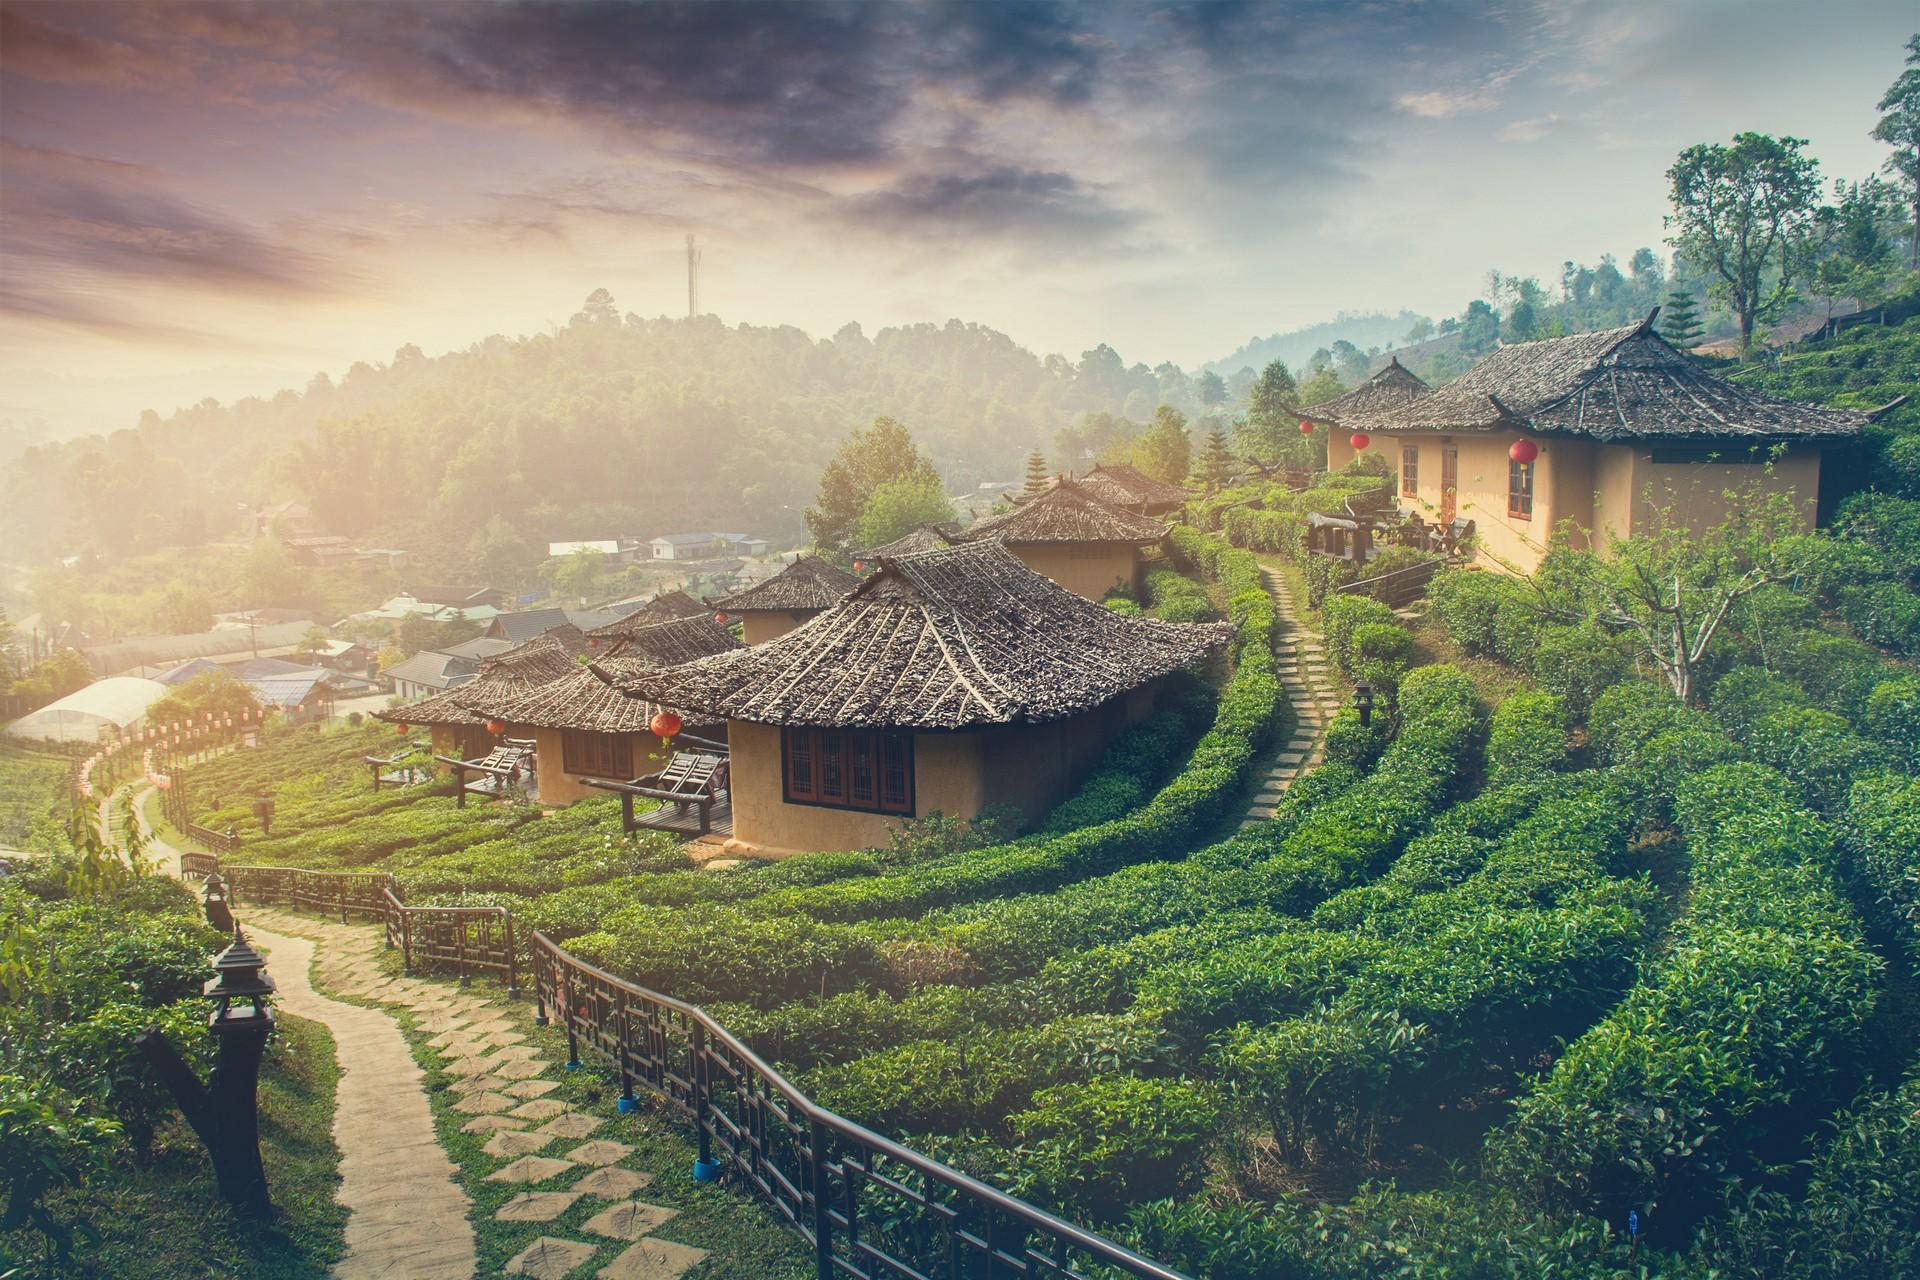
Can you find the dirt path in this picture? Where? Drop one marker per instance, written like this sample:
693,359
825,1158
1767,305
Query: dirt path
1301,664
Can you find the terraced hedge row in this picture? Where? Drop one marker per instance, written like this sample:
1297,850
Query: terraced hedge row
1733,1038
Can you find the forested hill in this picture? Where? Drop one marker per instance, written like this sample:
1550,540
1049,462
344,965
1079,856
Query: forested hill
1296,347
608,426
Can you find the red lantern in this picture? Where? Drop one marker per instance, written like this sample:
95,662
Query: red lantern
496,727
859,566
592,643
1524,451
664,724
1358,440
1306,428
400,729
721,618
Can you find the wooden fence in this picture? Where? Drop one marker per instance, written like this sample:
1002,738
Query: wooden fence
868,1207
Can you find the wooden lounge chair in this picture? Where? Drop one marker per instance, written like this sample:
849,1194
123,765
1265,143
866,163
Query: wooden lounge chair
694,778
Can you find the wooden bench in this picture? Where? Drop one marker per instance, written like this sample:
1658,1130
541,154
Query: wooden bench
499,769
690,778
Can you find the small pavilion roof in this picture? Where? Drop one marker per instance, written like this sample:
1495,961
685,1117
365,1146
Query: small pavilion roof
1064,512
503,678
1394,387
950,639
1119,484
928,537
807,583
677,640
584,700
1618,384
662,608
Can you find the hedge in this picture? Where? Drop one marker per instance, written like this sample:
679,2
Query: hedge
1881,832
1735,1033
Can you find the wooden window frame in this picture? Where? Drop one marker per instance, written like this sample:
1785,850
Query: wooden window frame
1409,470
848,769
597,755
1520,481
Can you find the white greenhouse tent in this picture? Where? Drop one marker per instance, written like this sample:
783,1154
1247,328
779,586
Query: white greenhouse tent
120,701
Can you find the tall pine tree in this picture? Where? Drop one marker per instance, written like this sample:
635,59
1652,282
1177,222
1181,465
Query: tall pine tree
1680,320
1038,474
1216,463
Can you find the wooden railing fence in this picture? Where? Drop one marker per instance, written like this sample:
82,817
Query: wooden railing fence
867,1206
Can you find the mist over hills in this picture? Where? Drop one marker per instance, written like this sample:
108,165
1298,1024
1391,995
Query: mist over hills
1296,346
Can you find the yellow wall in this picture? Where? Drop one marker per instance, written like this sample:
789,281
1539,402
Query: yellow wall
1033,767
557,786
759,625
1087,569
1609,488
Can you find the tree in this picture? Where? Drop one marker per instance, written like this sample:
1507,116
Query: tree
577,574
1856,257
1419,331
1680,320
1038,474
1270,412
1742,214
868,458
898,507
313,640
599,308
217,691
185,610
1216,463
1899,128
498,553
1323,386
1211,388
1670,589
1479,329
1164,452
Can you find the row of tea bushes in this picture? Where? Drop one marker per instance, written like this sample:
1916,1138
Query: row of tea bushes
1730,1042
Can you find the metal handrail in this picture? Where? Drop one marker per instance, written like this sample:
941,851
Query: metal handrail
809,1203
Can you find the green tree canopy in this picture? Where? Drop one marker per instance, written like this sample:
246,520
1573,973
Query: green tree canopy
869,458
898,507
1742,214
1164,451
217,691
1899,128
1680,319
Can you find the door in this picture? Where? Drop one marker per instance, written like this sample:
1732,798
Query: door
1449,482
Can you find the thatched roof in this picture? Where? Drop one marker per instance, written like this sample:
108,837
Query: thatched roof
584,700
807,583
928,537
1121,485
946,639
662,608
667,644
1394,387
1064,512
502,679
1613,384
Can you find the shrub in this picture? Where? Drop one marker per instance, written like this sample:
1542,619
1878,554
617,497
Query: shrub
1745,696
1817,749
1577,662
1885,613
1353,744
1882,833
1381,654
1468,601
1528,734
1176,598
1343,616
1893,717
1100,1144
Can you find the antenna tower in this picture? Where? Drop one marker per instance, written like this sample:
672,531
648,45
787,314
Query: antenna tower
693,278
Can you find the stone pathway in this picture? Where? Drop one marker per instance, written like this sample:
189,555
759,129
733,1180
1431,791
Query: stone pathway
1301,663
546,1149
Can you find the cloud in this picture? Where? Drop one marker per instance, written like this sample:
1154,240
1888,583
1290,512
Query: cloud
1438,104
1024,205
1530,130
41,52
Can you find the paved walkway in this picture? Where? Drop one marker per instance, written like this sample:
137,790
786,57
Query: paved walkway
1301,664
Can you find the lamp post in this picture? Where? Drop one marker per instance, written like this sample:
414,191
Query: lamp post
225,1111
1363,702
263,810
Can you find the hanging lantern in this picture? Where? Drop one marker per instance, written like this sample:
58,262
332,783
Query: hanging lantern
1358,440
664,724
1306,428
859,566
496,727
1524,451
592,643
722,618
400,729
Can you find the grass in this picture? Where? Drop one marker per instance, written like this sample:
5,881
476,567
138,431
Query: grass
166,1221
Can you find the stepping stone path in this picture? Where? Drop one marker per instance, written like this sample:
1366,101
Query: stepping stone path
408,1217
1301,663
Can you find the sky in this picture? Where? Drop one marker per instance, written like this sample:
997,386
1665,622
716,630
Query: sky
220,199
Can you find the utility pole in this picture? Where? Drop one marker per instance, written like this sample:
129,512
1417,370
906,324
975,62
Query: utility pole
693,278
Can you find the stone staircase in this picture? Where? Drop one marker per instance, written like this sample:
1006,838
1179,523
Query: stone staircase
1301,663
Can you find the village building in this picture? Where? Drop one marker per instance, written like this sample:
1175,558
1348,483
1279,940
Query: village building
928,537
798,592
584,729
950,680
1131,489
1606,429
1067,534
461,597
458,718
665,607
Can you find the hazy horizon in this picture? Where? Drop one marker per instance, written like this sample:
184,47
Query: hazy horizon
249,195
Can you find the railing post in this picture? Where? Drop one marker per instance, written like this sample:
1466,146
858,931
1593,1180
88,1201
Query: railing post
343,900
702,1100
513,963
460,949
540,966
627,1103
822,1202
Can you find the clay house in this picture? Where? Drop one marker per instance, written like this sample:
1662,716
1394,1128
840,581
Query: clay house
1131,489
1067,534
582,728
798,592
1605,429
928,537
459,718
664,607
948,680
